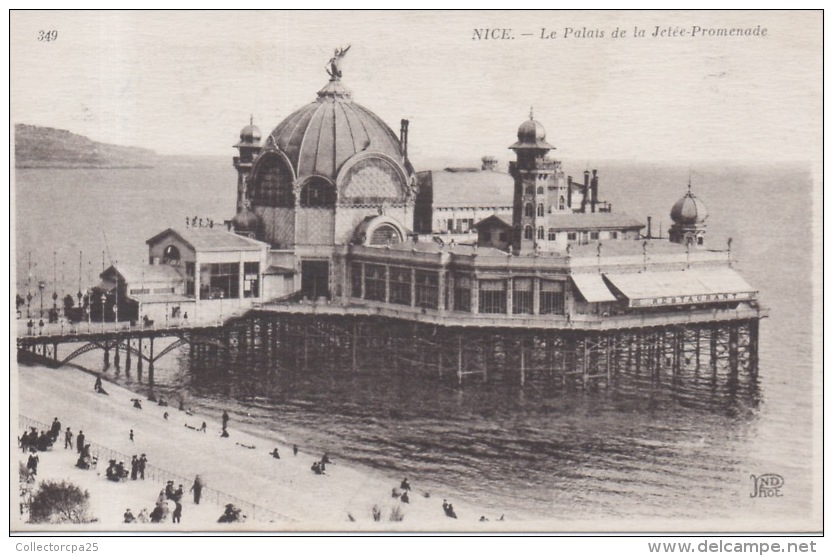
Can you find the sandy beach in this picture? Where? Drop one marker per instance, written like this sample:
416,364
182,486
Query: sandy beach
288,495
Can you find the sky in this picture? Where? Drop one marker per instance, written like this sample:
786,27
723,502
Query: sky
186,82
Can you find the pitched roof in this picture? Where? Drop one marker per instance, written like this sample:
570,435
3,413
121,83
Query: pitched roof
466,187
211,239
135,274
504,220
592,220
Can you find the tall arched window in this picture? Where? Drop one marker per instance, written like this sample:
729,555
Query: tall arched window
318,192
272,183
540,190
528,210
540,232
528,232
540,209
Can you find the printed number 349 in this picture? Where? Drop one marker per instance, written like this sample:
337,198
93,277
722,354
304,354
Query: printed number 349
47,36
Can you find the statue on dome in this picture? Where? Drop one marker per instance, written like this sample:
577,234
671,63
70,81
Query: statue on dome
334,70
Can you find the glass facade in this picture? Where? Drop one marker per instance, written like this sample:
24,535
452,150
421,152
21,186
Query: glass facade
251,279
462,294
220,281
551,299
522,296
492,296
400,285
427,289
374,282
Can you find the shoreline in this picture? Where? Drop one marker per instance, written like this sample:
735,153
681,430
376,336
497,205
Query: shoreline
285,486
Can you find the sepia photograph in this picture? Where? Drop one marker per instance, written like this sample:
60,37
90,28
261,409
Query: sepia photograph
416,271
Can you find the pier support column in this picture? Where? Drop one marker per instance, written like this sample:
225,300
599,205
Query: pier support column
354,350
697,348
140,361
459,358
150,366
128,359
106,358
753,347
522,369
117,357
714,333
733,349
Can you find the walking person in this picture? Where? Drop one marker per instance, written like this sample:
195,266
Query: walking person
197,489
177,517
80,441
134,468
225,420
142,461
68,439
131,435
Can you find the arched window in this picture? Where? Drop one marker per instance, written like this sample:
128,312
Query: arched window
528,210
385,234
170,255
530,189
272,183
561,203
318,192
540,232
540,209
540,190
528,232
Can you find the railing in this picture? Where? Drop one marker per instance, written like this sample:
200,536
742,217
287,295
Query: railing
575,321
252,511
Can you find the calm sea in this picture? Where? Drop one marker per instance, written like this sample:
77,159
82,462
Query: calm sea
639,451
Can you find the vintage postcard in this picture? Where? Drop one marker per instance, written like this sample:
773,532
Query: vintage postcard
416,271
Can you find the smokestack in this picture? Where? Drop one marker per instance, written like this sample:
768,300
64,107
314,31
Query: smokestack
403,138
649,227
586,196
594,192
569,191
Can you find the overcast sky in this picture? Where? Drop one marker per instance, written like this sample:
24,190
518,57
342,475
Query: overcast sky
185,83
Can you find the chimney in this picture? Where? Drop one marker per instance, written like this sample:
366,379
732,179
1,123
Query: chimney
649,228
403,138
586,191
569,191
594,192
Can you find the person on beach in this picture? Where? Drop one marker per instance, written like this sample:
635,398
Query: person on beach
178,494
131,435
225,420
80,443
325,458
161,498
55,431
165,416
143,516
203,428
32,464
68,439
97,386
137,403
134,468
294,449
129,517
274,453
405,498
24,441
169,490
142,461
177,515
405,485
196,488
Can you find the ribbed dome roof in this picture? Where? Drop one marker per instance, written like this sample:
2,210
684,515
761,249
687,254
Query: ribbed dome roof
532,135
321,136
689,210
245,221
250,134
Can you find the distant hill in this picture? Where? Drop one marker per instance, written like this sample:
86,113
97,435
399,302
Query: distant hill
46,147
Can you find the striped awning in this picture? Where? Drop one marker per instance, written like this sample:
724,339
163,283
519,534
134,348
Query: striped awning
647,289
592,288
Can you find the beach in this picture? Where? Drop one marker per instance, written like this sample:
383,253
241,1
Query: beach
275,494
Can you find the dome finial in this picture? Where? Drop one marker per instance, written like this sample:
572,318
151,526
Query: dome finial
251,119
689,180
334,71
531,113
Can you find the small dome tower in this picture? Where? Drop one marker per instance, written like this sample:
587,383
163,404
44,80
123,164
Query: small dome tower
689,215
245,221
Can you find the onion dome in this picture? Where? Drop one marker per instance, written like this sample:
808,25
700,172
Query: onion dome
249,135
689,210
245,221
531,135
321,136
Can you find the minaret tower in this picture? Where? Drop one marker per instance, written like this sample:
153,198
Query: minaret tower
245,221
689,216
532,172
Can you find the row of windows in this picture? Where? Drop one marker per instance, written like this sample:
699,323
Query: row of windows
530,212
401,282
222,280
571,236
493,299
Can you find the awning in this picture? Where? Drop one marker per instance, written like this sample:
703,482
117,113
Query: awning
592,288
278,270
648,289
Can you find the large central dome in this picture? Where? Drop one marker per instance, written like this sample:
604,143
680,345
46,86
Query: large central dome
321,136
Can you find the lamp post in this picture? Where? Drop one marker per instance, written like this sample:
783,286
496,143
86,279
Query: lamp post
41,287
28,304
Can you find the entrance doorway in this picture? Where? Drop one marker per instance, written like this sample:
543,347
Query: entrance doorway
315,279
